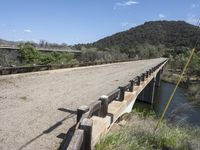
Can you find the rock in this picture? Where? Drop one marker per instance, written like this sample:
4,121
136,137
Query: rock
122,123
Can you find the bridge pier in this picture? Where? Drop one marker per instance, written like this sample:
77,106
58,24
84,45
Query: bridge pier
158,78
153,85
147,95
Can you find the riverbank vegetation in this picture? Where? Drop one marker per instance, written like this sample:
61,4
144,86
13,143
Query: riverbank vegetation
135,131
191,79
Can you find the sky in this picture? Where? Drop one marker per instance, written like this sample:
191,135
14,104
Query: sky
85,21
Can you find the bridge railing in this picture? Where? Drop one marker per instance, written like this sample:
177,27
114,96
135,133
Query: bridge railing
82,138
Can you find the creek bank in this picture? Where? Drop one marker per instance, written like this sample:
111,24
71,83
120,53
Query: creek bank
191,84
181,109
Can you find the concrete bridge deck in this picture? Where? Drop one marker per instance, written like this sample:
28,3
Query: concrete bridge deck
35,108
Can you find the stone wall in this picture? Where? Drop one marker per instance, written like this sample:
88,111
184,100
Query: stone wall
9,57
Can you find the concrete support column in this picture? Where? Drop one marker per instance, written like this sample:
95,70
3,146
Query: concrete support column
158,79
147,95
153,85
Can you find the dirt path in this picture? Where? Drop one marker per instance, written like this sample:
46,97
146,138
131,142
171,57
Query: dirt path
35,108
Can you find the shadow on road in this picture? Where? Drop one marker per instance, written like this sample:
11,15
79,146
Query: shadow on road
67,138
67,110
51,128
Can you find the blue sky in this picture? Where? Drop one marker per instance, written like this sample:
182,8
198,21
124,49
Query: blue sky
83,21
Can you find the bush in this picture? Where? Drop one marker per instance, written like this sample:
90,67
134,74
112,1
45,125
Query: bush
180,60
29,54
94,55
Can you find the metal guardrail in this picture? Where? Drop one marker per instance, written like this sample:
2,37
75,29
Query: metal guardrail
83,132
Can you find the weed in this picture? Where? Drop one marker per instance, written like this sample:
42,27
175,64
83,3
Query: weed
23,98
140,135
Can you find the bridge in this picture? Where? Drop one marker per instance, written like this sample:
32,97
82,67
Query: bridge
57,108
42,49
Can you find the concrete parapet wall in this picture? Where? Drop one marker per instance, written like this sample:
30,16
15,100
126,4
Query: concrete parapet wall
8,57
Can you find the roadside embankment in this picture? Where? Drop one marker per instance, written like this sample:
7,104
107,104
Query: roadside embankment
135,131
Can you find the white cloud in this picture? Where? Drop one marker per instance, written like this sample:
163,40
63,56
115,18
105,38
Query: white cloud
161,16
127,25
194,6
125,3
124,24
27,30
192,19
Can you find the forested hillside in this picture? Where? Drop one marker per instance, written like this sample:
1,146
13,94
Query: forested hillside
169,33
173,35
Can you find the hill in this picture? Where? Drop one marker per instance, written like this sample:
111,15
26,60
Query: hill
150,38
7,43
169,33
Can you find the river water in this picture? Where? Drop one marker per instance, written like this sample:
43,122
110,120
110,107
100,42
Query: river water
181,110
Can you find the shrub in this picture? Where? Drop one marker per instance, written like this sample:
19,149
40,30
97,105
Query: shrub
29,54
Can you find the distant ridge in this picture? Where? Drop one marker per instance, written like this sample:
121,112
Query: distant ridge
9,43
168,33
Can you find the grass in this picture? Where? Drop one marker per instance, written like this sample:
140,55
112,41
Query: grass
190,97
138,134
142,109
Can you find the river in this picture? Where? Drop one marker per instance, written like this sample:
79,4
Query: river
181,110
